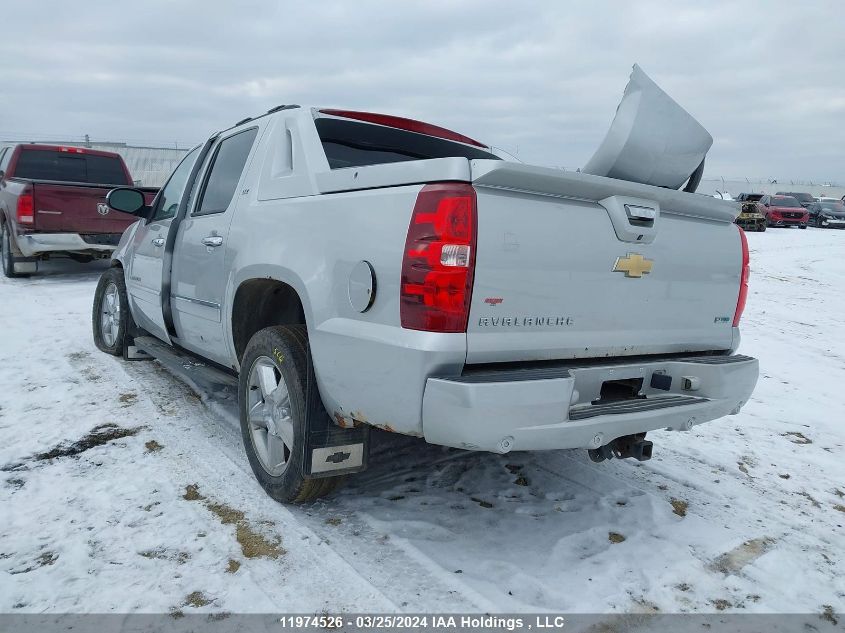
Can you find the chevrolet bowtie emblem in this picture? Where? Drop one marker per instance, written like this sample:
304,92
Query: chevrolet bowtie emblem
633,265
337,458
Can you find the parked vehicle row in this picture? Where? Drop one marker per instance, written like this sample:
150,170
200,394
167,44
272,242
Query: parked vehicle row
784,209
53,203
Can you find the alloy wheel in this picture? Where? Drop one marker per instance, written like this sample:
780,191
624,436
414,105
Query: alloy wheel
269,416
4,250
110,315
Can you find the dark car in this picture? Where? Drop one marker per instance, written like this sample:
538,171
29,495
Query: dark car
784,211
827,214
749,197
804,199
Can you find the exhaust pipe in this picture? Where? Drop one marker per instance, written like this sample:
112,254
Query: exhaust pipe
635,446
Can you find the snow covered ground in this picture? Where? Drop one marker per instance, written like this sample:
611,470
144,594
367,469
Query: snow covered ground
156,510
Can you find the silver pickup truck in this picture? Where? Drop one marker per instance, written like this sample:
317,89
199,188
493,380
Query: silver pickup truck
348,270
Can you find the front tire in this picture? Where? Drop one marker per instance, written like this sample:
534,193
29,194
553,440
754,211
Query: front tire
279,402
110,315
6,253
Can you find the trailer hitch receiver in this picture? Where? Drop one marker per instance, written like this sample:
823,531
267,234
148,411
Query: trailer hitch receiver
635,446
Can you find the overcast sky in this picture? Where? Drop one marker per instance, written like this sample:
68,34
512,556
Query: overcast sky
539,79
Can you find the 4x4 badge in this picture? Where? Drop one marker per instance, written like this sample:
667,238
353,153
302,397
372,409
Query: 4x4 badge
633,265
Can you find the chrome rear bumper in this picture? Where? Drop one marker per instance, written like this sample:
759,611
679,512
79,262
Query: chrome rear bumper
31,244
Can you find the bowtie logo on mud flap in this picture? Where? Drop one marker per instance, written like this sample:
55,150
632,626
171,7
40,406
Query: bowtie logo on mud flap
336,458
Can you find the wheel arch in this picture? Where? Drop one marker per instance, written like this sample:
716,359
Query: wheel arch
263,301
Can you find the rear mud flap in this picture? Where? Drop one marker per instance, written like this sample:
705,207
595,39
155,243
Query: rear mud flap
24,265
131,351
330,450
335,451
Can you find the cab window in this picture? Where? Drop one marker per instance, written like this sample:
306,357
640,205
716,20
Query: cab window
227,165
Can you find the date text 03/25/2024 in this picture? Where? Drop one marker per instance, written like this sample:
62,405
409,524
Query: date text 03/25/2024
424,622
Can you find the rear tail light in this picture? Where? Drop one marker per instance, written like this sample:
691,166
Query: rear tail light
26,204
439,259
743,280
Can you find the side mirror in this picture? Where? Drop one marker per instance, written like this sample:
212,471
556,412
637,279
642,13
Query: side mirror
126,200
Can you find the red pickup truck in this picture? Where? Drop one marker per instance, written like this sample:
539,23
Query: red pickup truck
53,202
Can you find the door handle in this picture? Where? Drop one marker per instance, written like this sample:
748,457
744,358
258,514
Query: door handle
212,241
159,241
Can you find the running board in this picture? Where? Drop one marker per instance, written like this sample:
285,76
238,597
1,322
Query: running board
186,364
632,406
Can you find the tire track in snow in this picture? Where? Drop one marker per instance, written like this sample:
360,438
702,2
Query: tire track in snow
390,569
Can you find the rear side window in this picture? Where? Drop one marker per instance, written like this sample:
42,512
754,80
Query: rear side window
225,172
355,144
39,164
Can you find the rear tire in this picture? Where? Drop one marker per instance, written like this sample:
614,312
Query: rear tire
6,253
803,226
277,410
110,315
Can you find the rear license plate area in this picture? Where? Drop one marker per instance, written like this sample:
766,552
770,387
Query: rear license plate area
619,390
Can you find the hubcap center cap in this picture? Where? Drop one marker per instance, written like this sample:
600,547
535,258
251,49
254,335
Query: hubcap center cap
274,412
281,411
